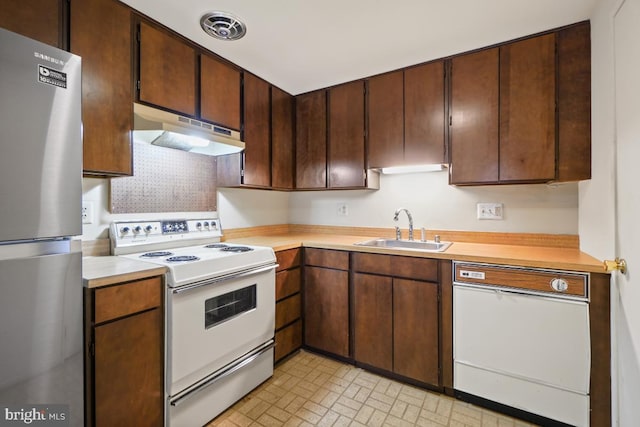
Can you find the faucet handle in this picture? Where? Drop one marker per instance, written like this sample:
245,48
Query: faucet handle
436,238
423,237
398,234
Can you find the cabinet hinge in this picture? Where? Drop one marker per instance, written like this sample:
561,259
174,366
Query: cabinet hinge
450,120
138,85
92,349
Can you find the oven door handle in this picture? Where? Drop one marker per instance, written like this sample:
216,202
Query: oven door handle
222,373
247,273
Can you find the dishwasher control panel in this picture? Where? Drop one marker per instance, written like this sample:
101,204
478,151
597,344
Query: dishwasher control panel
533,280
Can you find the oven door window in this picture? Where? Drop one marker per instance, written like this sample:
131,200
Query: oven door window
224,307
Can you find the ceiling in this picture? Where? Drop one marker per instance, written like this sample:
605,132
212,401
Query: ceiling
304,45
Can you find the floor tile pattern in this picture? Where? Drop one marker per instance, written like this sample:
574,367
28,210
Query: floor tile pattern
311,390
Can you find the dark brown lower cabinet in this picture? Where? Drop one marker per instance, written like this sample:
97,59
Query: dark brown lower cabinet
396,319
326,301
124,359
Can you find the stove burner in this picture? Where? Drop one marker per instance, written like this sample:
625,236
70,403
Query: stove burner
237,249
217,246
156,254
182,258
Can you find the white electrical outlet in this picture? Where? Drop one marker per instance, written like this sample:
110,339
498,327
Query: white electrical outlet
490,211
343,209
87,212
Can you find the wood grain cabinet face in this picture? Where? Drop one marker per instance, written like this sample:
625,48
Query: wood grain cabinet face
219,92
167,71
257,154
288,329
124,360
40,20
473,130
101,35
346,149
386,120
326,300
311,140
527,110
282,142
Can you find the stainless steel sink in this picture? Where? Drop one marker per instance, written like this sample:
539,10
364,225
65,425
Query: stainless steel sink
427,246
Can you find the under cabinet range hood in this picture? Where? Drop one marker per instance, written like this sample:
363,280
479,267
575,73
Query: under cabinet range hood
165,129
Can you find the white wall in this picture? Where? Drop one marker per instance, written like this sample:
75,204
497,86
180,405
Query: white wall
436,205
240,207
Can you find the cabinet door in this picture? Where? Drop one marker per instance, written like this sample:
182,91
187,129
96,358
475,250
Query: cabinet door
257,154
527,110
473,129
219,92
386,120
282,148
574,103
424,114
40,20
346,136
167,71
129,371
415,330
373,317
326,310
311,140
101,35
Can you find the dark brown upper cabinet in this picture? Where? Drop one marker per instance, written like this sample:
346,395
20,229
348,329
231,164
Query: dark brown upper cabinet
424,114
386,119
473,130
167,71
407,116
346,143
520,112
101,35
282,143
527,110
311,140
257,153
42,20
219,92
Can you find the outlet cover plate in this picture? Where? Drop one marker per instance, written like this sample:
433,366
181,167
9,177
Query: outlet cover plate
494,211
87,212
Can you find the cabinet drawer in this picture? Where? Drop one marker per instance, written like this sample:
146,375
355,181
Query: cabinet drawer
529,279
327,258
288,340
287,311
287,283
122,300
397,266
288,259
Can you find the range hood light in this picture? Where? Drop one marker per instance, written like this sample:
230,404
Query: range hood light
165,129
412,169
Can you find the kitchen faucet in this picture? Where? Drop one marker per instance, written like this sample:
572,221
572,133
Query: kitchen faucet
395,218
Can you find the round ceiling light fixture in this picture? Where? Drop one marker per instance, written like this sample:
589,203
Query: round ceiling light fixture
223,26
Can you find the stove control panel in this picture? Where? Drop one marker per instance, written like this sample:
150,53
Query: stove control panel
129,234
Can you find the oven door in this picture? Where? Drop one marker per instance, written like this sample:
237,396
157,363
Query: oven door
212,323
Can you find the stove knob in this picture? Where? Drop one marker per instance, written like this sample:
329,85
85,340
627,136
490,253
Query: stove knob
214,225
198,225
206,225
137,229
148,229
124,230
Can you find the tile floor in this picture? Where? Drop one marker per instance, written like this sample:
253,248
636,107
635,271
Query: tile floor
311,390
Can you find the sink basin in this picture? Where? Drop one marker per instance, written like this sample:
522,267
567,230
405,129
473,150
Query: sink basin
428,246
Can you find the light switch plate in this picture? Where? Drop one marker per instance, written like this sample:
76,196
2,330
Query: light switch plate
490,211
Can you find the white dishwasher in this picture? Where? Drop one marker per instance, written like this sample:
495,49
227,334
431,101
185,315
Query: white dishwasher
521,339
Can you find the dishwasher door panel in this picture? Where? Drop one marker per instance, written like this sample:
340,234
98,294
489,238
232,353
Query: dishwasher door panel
541,339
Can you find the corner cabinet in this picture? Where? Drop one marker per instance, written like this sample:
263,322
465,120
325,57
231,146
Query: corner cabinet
518,111
282,142
257,138
124,357
326,301
311,140
101,35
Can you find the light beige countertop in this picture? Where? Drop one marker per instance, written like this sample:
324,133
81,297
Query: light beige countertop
525,256
108,270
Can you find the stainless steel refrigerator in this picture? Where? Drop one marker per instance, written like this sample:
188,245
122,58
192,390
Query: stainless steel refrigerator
40,213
